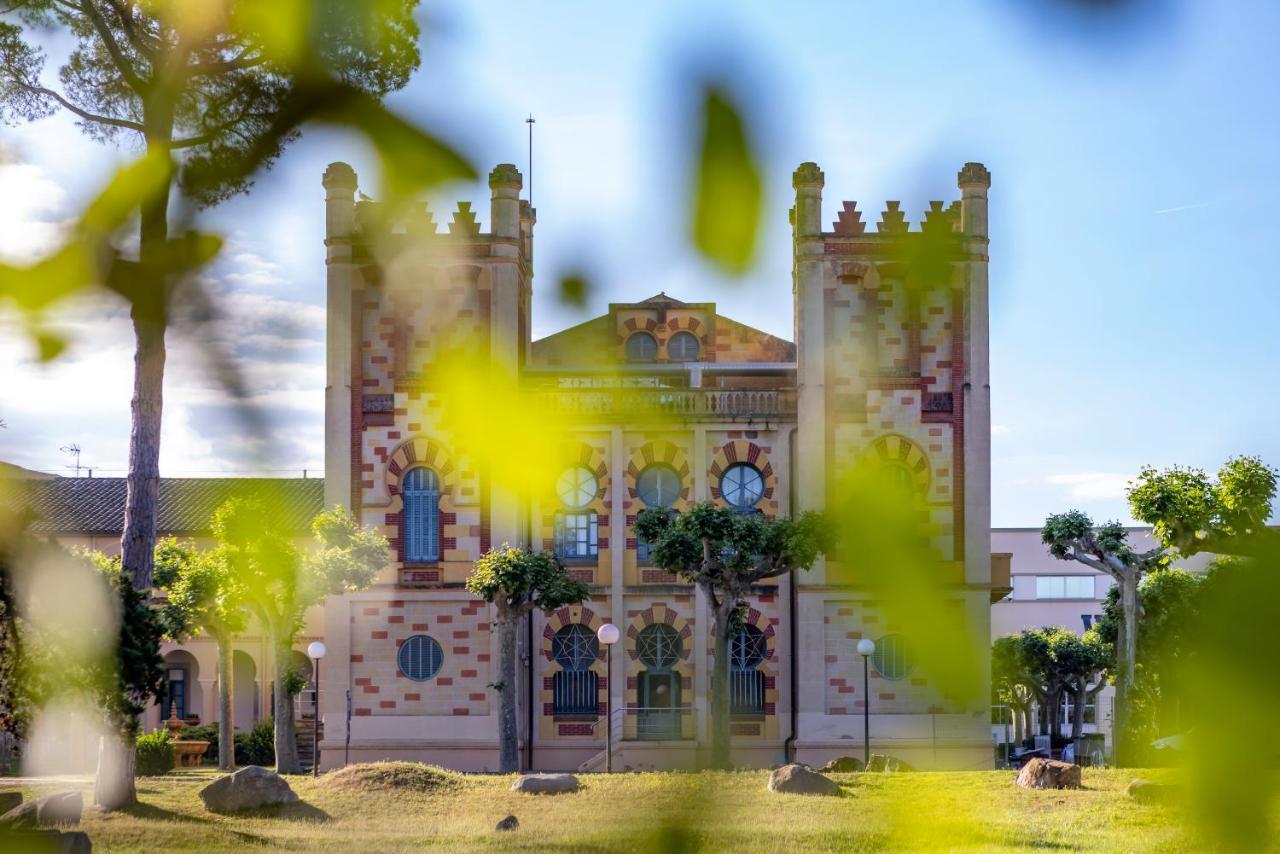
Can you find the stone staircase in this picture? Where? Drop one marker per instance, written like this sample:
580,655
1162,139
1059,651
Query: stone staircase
304,728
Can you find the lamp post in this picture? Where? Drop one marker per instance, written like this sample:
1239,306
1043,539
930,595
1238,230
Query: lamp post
316,651
866,648
608,635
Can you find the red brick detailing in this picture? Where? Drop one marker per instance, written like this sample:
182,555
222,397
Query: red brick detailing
378,635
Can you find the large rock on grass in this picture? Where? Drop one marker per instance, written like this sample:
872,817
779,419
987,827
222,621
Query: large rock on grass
248,788
1147,792
59,808
842,765
508,823
796,779
880,763
545,784
1049,774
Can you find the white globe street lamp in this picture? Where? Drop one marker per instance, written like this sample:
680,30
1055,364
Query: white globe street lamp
315,651
866,649
608,635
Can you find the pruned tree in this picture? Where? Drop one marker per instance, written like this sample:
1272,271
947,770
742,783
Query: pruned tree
281,581
516,581
204,597
1012,683
1073,536
1190,513
725,553
1053,663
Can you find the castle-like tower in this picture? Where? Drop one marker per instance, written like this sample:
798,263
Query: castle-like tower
656,402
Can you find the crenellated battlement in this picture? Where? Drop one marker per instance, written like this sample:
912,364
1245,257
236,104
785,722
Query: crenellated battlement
511,218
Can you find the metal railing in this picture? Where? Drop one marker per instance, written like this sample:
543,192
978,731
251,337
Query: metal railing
746,692
575,692
687,403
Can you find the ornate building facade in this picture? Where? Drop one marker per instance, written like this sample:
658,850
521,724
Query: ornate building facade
658,402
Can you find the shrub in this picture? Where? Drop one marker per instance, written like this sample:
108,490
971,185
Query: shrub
155,754
257,746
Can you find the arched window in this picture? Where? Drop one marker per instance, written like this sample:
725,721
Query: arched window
742,487
574,689
659,646
683,347
420,658
747,650
642,347
657,486
892,658
421,490
577,530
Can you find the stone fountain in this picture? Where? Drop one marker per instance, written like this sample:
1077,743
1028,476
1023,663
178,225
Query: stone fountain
188,754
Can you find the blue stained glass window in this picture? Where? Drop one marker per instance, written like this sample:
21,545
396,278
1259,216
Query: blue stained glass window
421,491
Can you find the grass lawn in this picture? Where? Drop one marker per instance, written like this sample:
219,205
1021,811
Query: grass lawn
969,811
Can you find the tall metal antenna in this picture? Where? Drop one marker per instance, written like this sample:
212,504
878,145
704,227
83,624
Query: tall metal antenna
74,450
530,122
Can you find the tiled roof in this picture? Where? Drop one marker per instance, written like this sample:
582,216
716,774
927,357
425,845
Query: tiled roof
95,505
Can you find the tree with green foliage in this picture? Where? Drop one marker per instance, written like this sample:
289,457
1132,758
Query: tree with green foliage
1052,663
1166,641
1190,513
725,554
210,93
280,581
1012,684
204,597
1073,536
516,581
115,661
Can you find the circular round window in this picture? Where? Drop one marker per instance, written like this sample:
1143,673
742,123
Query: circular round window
658,486
892,658
577,487
742,486
420,658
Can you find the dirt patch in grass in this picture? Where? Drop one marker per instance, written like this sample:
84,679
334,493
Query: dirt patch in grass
395,776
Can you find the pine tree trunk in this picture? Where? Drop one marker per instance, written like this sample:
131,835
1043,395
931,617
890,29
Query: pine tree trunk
286,738
138,538
226,707
1128,652
508,733
720,687
113,787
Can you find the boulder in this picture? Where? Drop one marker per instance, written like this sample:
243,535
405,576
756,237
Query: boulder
508,823
248,788
1149,792
842,765
9,800
545,784
880,763
58,808
1049,774
50,841
796,779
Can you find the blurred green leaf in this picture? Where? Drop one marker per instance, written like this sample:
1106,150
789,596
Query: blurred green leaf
727,200
50,345
574,289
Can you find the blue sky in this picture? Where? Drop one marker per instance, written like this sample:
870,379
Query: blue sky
1133,236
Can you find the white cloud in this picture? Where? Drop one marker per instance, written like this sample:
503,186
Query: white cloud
1000,429
32,212
1092,486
